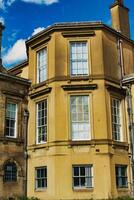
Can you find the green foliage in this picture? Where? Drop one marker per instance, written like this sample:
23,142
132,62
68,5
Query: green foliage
27,198
21,198
124,198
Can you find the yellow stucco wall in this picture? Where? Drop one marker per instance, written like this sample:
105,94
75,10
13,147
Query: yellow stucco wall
59,154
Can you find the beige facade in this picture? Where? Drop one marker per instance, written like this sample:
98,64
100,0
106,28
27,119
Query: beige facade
79,144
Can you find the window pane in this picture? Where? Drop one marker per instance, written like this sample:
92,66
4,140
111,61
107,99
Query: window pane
76,171
79,58
82,171
82,182
89,182
76,182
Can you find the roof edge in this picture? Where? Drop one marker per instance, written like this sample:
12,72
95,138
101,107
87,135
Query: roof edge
60,26
19,66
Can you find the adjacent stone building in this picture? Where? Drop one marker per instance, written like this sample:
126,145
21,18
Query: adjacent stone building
13,124
80,126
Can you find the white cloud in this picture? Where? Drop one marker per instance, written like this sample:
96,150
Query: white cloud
46,2
2,20
10,2
16,53
3,49
37,30
2,6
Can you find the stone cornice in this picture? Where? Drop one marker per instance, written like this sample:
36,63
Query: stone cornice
14,93
79,87
46,39
86,143
79,34
117,90
69,80
8,77
40,93
6,140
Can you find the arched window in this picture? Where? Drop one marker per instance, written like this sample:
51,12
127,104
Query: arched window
10,172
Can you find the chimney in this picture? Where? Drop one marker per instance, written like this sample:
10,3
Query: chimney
2,69
120,17
1,29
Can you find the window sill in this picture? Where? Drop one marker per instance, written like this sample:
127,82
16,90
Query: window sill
38,146
6,139
10,182
80,142
121,144
42,143
83,189
37,85
122,188
40,190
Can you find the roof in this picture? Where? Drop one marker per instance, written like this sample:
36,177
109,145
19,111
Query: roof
23,81
17,69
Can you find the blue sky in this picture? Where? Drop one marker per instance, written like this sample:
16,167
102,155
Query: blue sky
23,18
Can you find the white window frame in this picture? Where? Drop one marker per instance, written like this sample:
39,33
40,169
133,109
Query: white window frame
43,125
117,121
43,178
79,123
75,58
120,177
15,120
88,176
43,68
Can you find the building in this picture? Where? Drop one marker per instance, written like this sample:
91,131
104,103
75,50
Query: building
79,140
13,123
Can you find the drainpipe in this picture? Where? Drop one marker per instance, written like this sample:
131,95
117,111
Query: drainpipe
26,116
120,59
